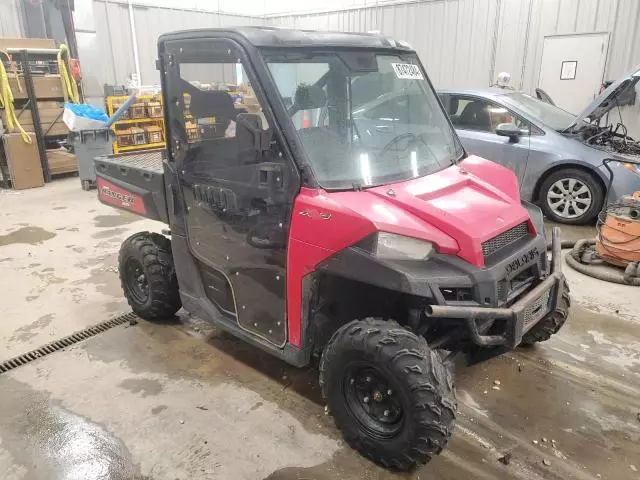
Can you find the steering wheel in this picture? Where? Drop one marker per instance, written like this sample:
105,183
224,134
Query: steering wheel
397,139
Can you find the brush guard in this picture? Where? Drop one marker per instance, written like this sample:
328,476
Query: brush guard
523,315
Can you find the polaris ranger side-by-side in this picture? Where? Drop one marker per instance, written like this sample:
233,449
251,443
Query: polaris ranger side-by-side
376,249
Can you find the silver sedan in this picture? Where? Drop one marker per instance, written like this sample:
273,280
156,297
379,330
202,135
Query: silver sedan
558,157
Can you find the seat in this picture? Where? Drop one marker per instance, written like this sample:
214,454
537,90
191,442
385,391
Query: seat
207,104
475,117
248,137
452,106
212,103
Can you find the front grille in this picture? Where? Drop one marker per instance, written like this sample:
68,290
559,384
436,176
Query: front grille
537,309
506,238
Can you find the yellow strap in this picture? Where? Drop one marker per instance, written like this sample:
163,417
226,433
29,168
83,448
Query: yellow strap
6,101
69,87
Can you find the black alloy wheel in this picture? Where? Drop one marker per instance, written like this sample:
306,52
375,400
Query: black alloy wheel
373,401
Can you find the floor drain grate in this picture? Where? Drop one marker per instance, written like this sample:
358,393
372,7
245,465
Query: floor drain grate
64,342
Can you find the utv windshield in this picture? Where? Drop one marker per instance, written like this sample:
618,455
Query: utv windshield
364,118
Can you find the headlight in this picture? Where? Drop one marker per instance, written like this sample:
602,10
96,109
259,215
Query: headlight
390,246
632,167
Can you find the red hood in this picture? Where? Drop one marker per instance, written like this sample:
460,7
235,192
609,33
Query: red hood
457,209
466,206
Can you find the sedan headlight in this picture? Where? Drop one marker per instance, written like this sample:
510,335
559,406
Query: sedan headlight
632,167
390,246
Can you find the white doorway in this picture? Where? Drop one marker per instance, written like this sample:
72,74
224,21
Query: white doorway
573,68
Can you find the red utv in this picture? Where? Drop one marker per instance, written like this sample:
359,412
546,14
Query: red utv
318,229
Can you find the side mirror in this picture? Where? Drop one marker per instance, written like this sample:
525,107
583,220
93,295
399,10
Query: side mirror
508,130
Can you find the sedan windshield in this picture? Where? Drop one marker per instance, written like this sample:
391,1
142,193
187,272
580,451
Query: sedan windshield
364,118
546,113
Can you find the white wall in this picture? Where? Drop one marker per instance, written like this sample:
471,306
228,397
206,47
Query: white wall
461,42
465,43
10,21
106,45
262,7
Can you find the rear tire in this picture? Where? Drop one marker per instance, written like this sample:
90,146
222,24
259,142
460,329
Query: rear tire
555,192
552,323
409,422
148,277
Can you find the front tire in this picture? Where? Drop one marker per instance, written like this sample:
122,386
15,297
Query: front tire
571,196
148,277
392,397
552,323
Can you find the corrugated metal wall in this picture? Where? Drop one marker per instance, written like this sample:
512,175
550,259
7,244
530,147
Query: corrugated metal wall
106,49
624,52
10,21
461,42
521,27
467,42
454,38
152,22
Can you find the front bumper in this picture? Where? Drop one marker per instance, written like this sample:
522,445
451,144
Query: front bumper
624,182
520,317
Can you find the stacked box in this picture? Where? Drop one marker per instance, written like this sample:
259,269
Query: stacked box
124,137
50,118
126,115
139,136
23,160
154,110
138,110
154,134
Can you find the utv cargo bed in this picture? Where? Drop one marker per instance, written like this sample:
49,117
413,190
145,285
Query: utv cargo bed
133,182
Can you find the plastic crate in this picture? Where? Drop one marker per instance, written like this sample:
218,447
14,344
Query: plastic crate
154,134
138,110
154,110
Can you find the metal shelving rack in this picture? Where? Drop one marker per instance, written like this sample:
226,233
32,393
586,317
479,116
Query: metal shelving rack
26,58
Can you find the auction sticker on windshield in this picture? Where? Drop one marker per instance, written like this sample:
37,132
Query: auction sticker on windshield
408,71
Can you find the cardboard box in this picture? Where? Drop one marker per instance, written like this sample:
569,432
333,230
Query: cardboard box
49,130
23,161
45,86
61,161
50,118
7,42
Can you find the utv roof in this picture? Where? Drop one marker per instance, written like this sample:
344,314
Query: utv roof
281,37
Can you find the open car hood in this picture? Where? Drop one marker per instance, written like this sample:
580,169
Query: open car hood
604,102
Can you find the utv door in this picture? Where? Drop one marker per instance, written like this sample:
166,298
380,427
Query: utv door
234,186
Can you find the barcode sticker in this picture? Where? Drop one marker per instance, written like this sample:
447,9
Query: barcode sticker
407,71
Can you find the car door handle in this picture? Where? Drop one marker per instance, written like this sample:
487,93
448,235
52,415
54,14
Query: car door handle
383,128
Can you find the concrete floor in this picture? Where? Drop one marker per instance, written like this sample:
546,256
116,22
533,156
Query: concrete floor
184,401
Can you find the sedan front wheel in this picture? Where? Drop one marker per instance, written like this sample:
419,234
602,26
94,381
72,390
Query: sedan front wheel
571,196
